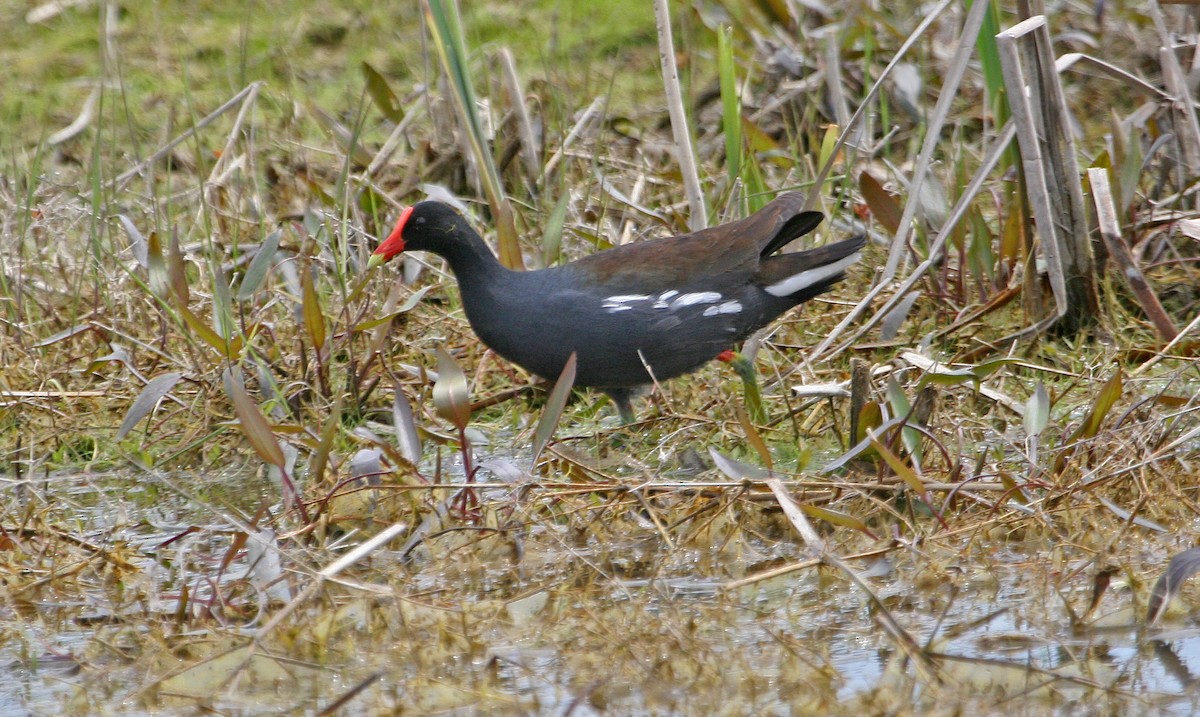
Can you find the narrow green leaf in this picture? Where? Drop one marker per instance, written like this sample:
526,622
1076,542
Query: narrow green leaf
408,305
1012,242
451,397
943,375
373,203
1013,488
1131,169
759,140
552,234
329,431
407,436
1104,402
222,303
745,369
1181,567
273,397
828,143
446,30
901,408
834,517
156,267
381,93
1037,411
779,12
731,111
869,418
980,255
898,466
735,469
154,391
758,195
256,272
1090,426
205,332
118,355
137,242
861,448
987,368
553,410
989,60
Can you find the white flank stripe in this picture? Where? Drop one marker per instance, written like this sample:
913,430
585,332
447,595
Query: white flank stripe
810,277
700,297
729,307
664,297
613,304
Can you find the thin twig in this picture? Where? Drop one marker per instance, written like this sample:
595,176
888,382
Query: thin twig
169,146
956,214
529,145
1118,249
679,126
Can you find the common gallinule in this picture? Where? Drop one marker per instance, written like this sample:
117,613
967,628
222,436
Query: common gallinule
668,305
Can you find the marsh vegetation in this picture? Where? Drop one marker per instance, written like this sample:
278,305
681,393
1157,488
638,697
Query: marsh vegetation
233,462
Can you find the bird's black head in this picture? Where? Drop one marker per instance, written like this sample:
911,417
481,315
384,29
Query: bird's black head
425,226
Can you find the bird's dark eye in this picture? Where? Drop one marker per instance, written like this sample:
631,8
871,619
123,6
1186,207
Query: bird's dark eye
419,220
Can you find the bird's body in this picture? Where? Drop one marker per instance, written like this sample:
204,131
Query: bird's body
669,304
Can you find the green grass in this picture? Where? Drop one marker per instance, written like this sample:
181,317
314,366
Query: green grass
305,51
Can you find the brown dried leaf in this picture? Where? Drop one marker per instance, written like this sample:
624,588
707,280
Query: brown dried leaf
252,421
176,273
883,205
314,319
754,438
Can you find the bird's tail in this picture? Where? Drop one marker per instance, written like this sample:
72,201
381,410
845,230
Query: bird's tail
804,274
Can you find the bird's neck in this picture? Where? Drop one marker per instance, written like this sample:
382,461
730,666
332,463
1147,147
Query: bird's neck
472,259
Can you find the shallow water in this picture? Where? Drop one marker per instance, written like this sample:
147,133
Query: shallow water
576,612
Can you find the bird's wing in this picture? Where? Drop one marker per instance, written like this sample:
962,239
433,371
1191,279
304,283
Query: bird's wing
720,253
